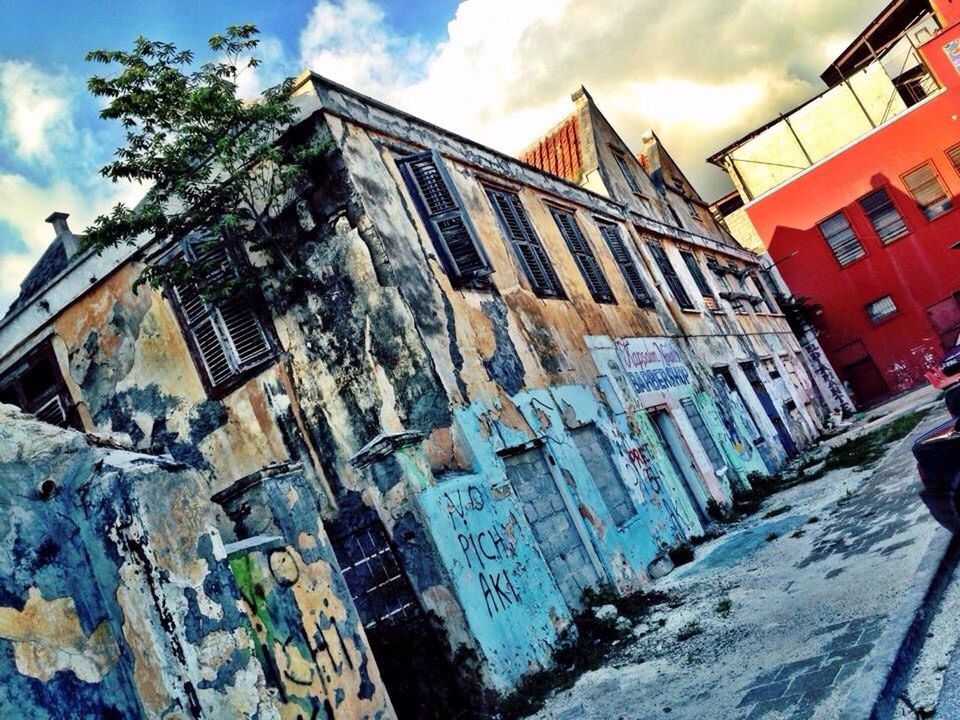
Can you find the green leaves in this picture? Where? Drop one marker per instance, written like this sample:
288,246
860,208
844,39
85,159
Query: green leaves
217,166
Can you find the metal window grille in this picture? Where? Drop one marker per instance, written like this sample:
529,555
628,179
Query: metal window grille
631,272
443,213
840,237
227,334
670,275
883,215
533,258
627,174
881,308
583,255
954,155
927,191
377,585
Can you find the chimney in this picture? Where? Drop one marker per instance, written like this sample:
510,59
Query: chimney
64,234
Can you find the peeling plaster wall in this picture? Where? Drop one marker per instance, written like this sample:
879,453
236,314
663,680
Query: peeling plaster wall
117,600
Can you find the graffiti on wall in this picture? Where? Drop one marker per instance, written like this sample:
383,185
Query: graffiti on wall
485,547
828,379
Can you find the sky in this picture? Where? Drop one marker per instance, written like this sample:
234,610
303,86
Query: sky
498,71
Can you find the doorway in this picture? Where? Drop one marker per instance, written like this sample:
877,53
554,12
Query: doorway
865,380
679,458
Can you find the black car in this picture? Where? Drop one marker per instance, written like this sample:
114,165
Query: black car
938,462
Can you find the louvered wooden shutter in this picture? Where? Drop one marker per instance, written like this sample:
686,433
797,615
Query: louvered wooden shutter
954,155
227,333
533,258
583,255
670,275
442,211
631,273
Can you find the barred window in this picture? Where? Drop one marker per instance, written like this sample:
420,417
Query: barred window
442,211
883,215
926,189
631,273
840,237
530,252
881,309
954,155
583,255
36,386
228,339
670,275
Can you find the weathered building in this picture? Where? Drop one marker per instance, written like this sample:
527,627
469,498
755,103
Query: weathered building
502,386
852,194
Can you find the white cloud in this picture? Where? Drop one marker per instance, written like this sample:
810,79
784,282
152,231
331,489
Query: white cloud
34,110
700,74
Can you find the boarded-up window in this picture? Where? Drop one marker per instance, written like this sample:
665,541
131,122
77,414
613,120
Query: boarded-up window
840,237
881,309
533,258
442,211
670,275
583,255
883,215
699,278
228,338
35,385
596,456
703,433
631,272
926,189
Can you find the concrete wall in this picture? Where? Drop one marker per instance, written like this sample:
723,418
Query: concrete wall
117,598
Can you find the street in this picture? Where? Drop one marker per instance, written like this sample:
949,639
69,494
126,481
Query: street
775,618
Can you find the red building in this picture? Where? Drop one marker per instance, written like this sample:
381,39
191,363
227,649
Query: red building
856,197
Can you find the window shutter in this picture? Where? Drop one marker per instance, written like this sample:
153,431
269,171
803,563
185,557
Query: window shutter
954,155
527,245
670,275
627,173
631,273
227,333
698,277
442,211
583,255
926,189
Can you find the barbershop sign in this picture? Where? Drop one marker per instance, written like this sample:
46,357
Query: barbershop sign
653,364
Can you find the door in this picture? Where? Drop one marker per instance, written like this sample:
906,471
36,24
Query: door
561,543
769,408
679,459
865,380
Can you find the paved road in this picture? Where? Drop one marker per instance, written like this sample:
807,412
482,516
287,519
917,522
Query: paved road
809,591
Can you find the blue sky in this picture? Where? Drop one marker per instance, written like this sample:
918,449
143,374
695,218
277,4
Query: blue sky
499,71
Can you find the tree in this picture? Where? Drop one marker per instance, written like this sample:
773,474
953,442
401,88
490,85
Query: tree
219,168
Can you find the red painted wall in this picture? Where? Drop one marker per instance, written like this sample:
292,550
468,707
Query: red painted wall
917,270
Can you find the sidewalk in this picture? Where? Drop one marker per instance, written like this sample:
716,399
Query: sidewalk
778,615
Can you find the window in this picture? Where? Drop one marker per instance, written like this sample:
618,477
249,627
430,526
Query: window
841,239
954,155
533,258
670,275
36,386
720,271
627,174
765,298
631,273
691,207
880,309
586,261
441,209
764,282
926,189
673,213
883,215
698,277
228,339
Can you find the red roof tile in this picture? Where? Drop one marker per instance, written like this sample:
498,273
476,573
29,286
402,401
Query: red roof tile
558,152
